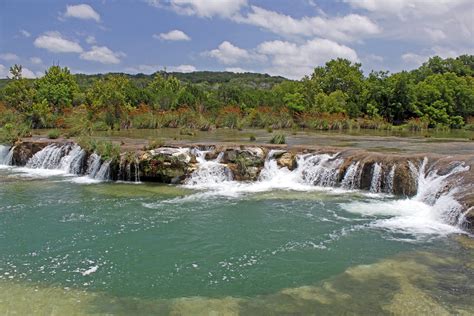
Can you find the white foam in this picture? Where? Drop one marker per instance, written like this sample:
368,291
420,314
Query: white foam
408,216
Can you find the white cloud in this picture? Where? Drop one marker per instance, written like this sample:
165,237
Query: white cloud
82,11
102,54
3,71
28,73
374,58
285,58
237,70
149,69
229,54
294,61
202,8
9,57
416,59
181,68
345,28
441,22
36,60
56,43
90,40
25,33
174,35
402,8
434,34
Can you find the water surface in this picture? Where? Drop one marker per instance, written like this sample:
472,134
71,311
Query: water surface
252,249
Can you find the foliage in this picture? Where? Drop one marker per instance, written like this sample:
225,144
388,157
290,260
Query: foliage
54,134
105,149
278,139
13,133
337,95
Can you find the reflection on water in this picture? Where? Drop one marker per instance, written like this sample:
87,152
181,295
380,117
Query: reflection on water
414,283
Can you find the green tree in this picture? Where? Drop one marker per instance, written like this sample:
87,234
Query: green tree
345,76
164,92
109,96
57,87
18,93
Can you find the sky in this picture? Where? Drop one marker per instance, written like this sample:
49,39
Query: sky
278,37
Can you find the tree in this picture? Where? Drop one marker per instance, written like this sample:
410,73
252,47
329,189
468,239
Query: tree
109,96
57,87
164,92
18,93
343,75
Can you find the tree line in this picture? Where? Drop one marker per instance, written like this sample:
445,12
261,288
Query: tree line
440,93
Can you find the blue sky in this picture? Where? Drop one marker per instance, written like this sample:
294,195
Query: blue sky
279,37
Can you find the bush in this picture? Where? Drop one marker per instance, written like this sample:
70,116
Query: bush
186,131
417,124
13,133
252,138
278,139
469,127
154,144
54,134
105,149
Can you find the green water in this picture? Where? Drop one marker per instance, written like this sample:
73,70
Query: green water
117,248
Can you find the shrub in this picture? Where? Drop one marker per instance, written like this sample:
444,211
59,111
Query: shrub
105,149
417,124
156,143
13,133
252,138
469,127
186,131
278,139
229,116
54,134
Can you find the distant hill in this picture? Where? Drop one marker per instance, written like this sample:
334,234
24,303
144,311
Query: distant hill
256,80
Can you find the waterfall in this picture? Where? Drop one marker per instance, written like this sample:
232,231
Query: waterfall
389,178
104,172
209,172
6,155
72,163
47,158
125,172
376,183
438,190
70,159
351,178
321,170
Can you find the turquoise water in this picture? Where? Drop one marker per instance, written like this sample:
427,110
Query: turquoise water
143,248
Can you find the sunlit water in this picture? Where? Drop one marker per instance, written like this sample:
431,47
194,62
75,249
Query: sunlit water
223,248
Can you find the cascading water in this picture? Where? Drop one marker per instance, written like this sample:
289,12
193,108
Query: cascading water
389,178
72,163
6,155
70,159
438,190
321,170
432,210
209,172
47,158
93,165
104,172
376,183
351,178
